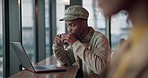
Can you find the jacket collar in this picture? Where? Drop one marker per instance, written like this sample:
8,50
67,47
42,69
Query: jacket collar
88,36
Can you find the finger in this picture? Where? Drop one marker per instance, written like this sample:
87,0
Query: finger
58,37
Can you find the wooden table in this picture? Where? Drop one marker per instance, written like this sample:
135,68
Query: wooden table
69,73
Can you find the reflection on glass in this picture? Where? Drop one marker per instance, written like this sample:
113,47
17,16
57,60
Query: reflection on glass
1,42
96,18
27,27
119,28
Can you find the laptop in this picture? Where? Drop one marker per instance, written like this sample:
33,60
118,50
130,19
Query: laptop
26,62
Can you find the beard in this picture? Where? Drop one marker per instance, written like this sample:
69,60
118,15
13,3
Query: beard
78,37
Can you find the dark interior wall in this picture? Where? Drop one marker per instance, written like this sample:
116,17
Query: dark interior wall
74,2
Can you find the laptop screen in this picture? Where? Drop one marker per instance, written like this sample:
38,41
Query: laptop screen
23,57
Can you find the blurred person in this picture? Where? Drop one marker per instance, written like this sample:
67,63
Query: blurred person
121,41
131,60
86,47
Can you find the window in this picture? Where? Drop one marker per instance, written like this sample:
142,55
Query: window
47,27
28,27
60,9
119,23
1,42
119,28
96,18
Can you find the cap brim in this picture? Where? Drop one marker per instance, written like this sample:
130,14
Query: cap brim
68,18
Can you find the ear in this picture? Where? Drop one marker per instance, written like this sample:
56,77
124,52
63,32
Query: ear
83,23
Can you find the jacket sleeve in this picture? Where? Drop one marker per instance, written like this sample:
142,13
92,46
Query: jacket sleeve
97,58
64,56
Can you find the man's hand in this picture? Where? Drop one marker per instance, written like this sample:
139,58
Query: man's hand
68,38
58,40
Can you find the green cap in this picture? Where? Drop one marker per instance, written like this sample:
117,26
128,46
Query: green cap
74,12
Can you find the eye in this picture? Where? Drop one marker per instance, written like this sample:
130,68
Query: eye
73,25
70,24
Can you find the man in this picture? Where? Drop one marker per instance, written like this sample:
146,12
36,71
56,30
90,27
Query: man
87,47
131,60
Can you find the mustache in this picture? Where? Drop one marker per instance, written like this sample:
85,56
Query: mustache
73,34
